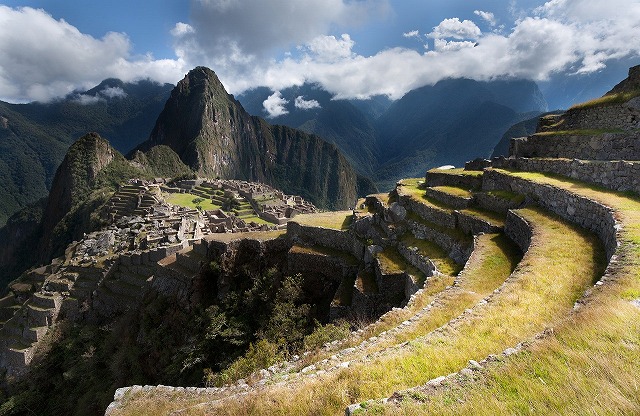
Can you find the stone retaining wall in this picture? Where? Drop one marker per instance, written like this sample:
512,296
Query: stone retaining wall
606,146
518,230
420,262
577,209
624,116
469,224
496,203
326,237
435,178
617,175
457,250
427,213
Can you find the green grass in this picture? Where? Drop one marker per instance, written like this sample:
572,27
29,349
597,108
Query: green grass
186,200
326,252
611,99
453,190
508,195
491,217
444,264
391,262
338,220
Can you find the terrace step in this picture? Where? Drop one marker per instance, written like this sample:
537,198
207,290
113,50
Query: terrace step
467,179
453,196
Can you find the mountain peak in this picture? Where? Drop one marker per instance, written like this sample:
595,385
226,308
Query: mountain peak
631,83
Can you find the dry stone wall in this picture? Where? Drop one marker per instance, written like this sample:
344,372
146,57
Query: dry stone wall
580,210
624,116
617,175
326,237
605,146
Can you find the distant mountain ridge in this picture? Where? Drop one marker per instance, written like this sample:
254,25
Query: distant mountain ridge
450,122
35,137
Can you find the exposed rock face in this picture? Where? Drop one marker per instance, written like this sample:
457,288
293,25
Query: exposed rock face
215,136
632,82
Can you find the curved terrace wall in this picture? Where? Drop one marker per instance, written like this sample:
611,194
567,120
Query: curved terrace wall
574,208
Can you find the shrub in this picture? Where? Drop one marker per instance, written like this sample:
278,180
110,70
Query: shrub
327,333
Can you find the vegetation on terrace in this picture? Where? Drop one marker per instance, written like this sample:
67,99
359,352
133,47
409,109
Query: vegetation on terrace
337,220
610,99
562,261
591,359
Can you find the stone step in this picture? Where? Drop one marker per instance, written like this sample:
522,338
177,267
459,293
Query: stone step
499,201
45,301
40,316
122,288
452,196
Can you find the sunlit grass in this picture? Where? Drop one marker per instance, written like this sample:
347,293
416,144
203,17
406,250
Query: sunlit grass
337,220
561,262
611,99
186,200
454,190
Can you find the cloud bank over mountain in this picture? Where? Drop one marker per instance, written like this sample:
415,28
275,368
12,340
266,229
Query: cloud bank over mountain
278,44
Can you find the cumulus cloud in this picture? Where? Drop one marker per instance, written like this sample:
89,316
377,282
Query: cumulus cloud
456,29
329,48
302,104
488,17
53,58
275,104
442,45
412,34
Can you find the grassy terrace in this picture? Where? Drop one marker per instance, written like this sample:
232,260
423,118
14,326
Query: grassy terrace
459,171
590,364
186,200
612,99
256,235
437,255
489,216
493,260
338,220
326,251
454,190
562,261
414,188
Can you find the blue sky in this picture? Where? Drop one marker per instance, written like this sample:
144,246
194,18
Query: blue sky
353,48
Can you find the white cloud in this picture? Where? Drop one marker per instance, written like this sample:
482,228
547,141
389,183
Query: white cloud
303,104
330,49
113,92
85,99
274,105
442,45
53,58
412,34
488,17
456,29
182,29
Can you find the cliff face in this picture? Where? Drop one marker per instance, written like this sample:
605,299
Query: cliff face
215,136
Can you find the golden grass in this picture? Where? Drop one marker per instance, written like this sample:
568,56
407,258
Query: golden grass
561,262
590,364
491,217
255,235
337,220
610,99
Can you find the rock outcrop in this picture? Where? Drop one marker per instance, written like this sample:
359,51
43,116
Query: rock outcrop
216,137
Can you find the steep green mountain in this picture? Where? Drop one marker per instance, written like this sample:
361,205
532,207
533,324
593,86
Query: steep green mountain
89,173
34,137
213,134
